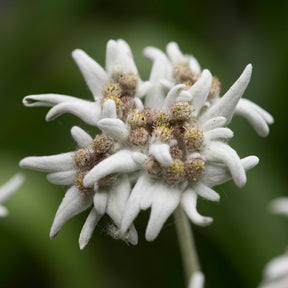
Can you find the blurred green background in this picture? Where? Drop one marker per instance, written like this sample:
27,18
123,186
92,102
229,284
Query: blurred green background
36,41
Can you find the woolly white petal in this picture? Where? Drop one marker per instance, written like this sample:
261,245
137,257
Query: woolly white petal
280,206
214,123
100,201
275,273
194,65
264,114
88,228
89,112
162,154
220,152
119,58
177,56
117,202
53,163
10,187
62,177
216,174
73,203
189,202
81,137
164,202
142,187
199,91
161,69
197,280
226,105
218,133
174,53
114,128
256,116
120,162
94,75
171,96
138,104
142,89
109,109
3,211
153,53
47,100
206,192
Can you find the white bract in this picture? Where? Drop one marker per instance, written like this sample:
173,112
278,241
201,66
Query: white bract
7,190
159,154
275,273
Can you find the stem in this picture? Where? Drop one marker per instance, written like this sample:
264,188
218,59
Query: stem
187,244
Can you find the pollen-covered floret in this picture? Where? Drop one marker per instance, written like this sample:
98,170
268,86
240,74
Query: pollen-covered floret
152,166
102,144
180,111
194,168
83,158
136,119
128,83
128,104
78,181
193,138
215,89
119,104
161,117
163,133
182,73
111,89
176,152
175,173
139,136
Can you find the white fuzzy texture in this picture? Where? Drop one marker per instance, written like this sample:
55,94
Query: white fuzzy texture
161,153
220,152
172,95
114,128
72,204
280,206
88,228
275,273
53,163
188,203
161,209
11,187
94,75
109,109
8,190
62,177
120,162
256,116
82,138
197,280
89,112
198,92
226,105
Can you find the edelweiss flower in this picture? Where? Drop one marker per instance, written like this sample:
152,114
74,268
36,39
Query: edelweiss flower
166,153
7,190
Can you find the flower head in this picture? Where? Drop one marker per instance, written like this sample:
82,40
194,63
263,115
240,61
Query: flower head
160,154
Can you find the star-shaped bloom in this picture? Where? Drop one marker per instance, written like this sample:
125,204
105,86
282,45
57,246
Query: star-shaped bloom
9,189
165,153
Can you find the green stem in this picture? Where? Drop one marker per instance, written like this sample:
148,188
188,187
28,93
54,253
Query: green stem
187,244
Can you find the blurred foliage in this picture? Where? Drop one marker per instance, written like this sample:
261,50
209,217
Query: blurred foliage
37,38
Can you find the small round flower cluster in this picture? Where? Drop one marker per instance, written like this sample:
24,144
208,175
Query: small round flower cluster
121,90
86,158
